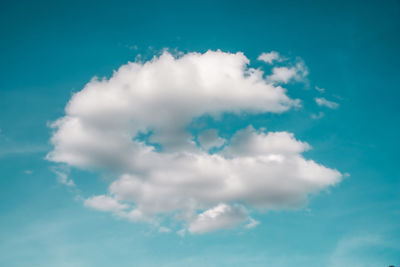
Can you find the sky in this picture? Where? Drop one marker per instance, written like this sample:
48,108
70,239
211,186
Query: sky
199,133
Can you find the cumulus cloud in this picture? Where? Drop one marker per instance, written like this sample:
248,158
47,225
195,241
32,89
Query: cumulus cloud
263,170
169,173
321,101
162,95
269,57
286,74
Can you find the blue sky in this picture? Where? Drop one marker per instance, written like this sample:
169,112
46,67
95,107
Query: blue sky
52,50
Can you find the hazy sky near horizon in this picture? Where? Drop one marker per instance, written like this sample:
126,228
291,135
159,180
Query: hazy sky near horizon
199,133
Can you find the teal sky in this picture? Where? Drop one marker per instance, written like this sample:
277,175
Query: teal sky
52,49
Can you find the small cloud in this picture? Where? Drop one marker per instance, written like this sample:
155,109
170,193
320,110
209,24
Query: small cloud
269,57
28,172
285,74
252,223
321,101
319,89
317,116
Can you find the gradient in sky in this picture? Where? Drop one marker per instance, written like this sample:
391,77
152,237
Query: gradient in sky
146,179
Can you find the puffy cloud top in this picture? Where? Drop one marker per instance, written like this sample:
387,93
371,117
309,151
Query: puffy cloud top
161,98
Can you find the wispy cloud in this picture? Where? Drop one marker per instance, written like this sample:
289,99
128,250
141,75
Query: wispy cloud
8,149
8,146
321,101
354,251
62,175
318,115
252,223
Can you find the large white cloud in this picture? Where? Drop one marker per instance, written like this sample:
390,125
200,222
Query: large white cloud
161,97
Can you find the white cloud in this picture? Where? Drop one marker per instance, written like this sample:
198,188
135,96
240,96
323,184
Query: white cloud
269,57
220,216
321,101
105,203
161,97
262,170
285,74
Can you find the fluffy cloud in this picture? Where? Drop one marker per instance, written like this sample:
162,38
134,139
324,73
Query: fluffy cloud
286,74
263,170
162,95
269,57
168,172
321,101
